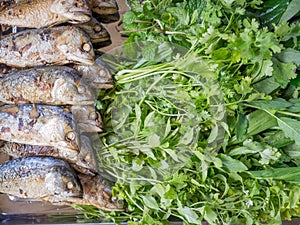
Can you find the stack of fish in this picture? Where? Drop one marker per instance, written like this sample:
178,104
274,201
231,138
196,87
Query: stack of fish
48,84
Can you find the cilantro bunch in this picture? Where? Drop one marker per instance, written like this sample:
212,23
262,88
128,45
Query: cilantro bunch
203,124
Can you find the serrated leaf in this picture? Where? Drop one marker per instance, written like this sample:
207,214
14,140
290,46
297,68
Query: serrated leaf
290,127
149,51
283,72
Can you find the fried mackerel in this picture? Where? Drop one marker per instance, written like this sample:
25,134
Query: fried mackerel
39,125
47,46
53,180
83,161
55,85
42,178
44,13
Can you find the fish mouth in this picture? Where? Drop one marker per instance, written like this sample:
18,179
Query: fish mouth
85,102
87,61
80,17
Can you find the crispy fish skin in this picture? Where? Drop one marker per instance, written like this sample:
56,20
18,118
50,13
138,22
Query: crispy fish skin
95,30
83,161
96,75
55,85
44,13
47,46
88,119
39,125
42,178
103,7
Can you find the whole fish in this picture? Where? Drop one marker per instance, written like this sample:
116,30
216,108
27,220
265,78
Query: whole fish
103,7
58,45
95,30
43,178
45,13
83,161
39,125
55,85
97,75
87,118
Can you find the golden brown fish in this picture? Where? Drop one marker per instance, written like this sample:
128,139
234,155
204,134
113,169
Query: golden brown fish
46,46
41,178
103,7
55,85
97,75
44,13
39,125
84,161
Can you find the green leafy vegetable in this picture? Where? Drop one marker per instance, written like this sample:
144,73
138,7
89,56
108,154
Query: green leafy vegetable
203,122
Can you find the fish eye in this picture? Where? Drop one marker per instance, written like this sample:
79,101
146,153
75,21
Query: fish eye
86,47
70,185
81,89
97,28
70,136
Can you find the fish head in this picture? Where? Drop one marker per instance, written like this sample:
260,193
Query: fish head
72,92
63,183
76,46
98,192
61,131
97,75
104,6
76,11
95,30
87,118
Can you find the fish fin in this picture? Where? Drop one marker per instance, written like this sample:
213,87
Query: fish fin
34,113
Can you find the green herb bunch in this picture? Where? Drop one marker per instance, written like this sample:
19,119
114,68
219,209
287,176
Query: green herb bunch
204,124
